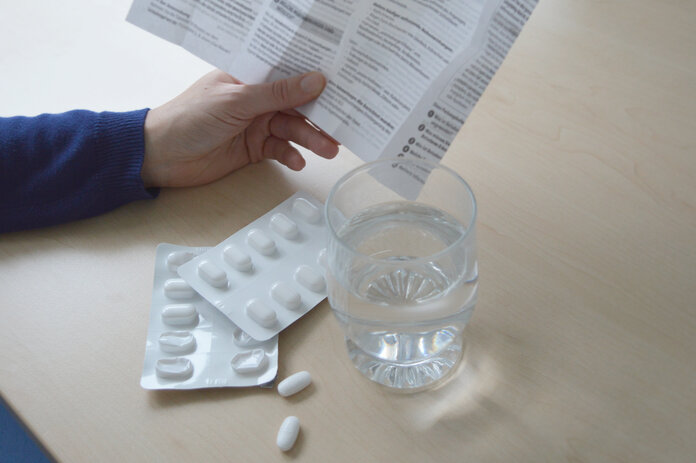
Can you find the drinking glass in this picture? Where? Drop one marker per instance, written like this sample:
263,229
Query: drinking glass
402,270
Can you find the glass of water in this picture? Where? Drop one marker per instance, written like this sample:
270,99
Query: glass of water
403,275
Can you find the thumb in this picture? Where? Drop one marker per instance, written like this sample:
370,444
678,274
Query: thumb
282,94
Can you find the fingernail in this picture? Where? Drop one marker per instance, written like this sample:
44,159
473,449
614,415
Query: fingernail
297,163
326,147
312,82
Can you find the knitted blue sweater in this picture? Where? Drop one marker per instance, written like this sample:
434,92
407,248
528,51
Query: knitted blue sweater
56,168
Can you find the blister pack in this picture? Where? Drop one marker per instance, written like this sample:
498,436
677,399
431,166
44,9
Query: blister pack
190,344
271,272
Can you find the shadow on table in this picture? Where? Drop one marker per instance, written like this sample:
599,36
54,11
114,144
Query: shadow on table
496,372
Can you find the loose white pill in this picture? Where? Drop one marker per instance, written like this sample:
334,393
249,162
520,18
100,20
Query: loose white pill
177,258
260,241
261,313
310,278
294,383
308,211
237,258
251,361
284,295
176,288
179,314
176,368
284,226
212,274
322,259
177,342
287,434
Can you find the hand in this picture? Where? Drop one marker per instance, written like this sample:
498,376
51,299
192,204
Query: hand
219,125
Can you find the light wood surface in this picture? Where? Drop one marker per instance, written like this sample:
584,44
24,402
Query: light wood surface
582,154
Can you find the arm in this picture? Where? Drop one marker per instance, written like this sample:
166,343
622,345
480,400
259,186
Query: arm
58,168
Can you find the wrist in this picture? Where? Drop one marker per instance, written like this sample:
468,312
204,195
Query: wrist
151,172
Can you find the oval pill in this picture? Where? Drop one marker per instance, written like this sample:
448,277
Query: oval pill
306,210
175,368
261,313
284,295
237,258
260,241
250,361
179,314
285,227
310,278
177,342
212,274
287,434
177,258
176,288
294,383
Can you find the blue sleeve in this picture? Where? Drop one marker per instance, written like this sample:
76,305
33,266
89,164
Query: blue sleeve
56,168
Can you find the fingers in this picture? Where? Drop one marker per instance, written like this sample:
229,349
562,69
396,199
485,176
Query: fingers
298,130
323,133
296,113
280,95
281,151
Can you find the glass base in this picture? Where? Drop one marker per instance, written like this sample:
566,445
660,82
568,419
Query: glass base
408,377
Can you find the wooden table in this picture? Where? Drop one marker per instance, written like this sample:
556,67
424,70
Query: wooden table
582,348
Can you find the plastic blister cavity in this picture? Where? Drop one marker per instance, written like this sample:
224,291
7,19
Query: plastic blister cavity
212,274
179,314
284,226
177,342
177,258
274,268
307,210
310,278
190,344
176,288
261,242
285,295
251,361
178,368
238,259
261,313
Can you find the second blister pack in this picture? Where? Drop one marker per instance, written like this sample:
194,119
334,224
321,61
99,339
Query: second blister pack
190,344
268,274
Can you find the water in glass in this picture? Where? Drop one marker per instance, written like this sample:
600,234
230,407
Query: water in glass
405,302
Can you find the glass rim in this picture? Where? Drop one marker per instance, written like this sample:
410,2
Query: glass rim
432,165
